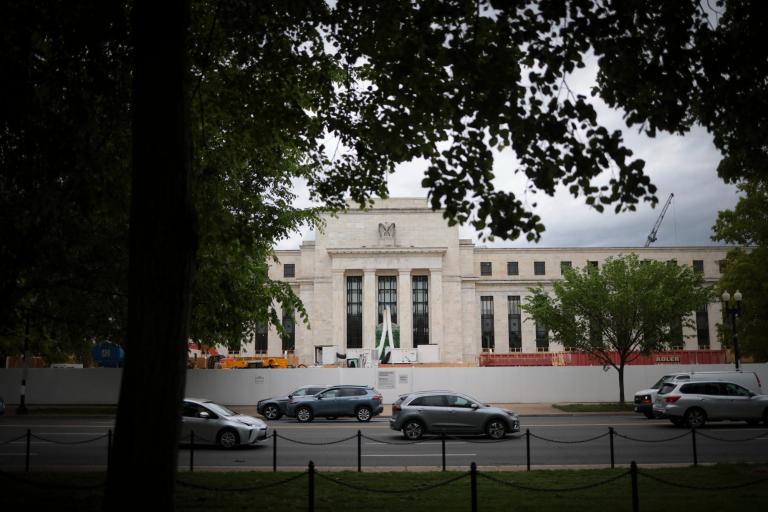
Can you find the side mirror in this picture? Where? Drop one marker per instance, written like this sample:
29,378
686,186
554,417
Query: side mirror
204,415
751,394
475,406
290,397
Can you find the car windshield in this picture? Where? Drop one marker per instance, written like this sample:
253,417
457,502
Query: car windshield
666,388
219,410
661,381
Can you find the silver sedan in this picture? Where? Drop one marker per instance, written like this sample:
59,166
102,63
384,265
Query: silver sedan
206,422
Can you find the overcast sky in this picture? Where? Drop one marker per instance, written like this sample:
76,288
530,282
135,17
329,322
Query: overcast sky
683,165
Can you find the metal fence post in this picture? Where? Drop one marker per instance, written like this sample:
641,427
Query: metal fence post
311,486
695,454
192,451
274,451
473,485
29,445
359,451
610,430
635,492
443,439
109,448
528,448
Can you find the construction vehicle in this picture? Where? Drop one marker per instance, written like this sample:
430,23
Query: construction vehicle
240,362
652,235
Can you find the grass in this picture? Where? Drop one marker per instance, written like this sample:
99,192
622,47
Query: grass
19,490
597,407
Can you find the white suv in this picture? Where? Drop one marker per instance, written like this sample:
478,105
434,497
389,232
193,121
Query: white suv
693,403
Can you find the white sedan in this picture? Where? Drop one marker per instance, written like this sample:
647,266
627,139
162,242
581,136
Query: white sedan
212,423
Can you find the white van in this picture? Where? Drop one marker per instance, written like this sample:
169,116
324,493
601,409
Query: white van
644,399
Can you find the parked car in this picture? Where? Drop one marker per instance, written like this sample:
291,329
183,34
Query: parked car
695,403
645,399
432,412
361,402
274,408
215,424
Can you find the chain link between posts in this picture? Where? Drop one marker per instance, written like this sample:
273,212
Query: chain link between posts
571,442
554,489
86,441
418,488
241,489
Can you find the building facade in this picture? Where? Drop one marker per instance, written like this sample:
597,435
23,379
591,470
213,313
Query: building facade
441,290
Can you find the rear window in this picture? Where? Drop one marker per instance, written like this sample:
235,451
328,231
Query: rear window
666,388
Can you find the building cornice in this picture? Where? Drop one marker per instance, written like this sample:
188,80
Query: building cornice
367,251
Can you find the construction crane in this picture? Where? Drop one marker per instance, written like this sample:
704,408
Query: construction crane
652,235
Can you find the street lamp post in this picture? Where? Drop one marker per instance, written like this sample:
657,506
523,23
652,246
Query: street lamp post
733,311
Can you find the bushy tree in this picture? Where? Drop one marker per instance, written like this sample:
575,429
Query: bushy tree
624,309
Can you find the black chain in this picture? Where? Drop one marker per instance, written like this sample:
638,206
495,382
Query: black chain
554,489
571,442
53,486
317,444
698,488
240,489
22,436
418,488
652,440
396,443
69,442
702,434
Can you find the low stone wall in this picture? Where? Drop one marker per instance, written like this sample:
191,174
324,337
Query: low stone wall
53,386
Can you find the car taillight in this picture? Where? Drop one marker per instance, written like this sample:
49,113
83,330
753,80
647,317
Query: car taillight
671,399
377,397
396,408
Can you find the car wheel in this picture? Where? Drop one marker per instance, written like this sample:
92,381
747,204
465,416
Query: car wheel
649,414
495,429
413,430
272,412
228,438
364,414
304,414
695,418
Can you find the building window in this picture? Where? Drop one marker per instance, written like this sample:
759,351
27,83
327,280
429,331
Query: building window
702,327
486,323
354,312
512,268
542,337
388,297
698,266
260,338
420,287
721,266
486,268
289,326
289,270
539,268
565,265
676,335
593,264
515,331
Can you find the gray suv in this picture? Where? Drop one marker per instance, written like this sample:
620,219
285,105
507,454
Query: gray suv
425,412
274,408
361,402
692,404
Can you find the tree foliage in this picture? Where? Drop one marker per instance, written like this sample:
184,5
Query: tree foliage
746,267
627,308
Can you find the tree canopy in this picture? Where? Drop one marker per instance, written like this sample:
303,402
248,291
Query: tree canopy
626,308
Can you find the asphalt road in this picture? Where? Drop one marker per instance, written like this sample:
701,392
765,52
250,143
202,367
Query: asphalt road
580,440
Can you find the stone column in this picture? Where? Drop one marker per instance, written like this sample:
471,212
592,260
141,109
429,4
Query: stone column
500,323
339,309
305,346
436,308
370,308
405,308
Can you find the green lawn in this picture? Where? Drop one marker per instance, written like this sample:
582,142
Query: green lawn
598,407
20,491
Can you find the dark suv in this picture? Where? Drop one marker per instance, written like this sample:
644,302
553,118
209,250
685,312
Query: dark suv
361,402
274,408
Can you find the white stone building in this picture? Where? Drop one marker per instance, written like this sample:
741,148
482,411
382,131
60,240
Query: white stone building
442,290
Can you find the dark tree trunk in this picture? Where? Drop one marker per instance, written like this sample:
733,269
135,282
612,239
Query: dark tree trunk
620,369
162,250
